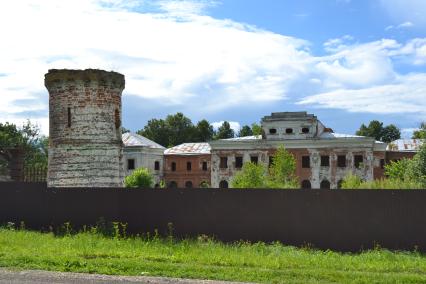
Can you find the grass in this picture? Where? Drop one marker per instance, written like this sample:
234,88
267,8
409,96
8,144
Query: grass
204,259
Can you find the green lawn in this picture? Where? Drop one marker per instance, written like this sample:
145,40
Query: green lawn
205,259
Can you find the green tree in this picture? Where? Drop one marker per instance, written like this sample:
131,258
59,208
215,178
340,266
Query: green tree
203,131
180,129
245,131
416,170
140,177
421,133
282,172
376,130
156,130
250,176
225,131
256,128
26,138
390,133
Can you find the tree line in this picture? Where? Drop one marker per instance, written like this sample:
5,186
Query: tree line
176,129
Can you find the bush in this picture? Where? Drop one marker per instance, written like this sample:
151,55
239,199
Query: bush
140,177
281,174
251,176
354,182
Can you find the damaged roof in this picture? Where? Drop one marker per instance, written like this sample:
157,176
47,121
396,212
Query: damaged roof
405,145
136,140
189,149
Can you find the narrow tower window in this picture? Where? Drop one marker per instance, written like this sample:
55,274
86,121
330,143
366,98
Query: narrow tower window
117,119
69,116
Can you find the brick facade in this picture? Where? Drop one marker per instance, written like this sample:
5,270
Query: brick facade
85,146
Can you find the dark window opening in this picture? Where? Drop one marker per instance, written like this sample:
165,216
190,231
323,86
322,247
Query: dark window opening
172,184
173,166
289,130
69,117
271,161
305,130
306,184
306,162
238,162
130,164
188,166
358,159
204,166
341,161
223,184
117,119
254,159
272,131
382,163
157,165
223,162
325,184
188,184
325,161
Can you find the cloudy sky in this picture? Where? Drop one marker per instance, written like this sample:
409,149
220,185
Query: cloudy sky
348,61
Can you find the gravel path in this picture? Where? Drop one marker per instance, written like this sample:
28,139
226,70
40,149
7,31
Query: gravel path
39,277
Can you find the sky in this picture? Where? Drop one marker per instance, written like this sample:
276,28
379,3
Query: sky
346,61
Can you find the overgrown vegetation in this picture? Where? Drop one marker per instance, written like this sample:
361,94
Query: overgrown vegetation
26,138
140,177
280,174
402,174
202,258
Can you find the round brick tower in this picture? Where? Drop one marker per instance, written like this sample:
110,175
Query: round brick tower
85,147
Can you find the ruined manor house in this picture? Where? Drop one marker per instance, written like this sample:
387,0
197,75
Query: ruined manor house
87,148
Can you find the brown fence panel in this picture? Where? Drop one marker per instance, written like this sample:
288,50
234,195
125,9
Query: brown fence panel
346,220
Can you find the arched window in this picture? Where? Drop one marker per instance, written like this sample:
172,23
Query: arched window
172,184
223,184
306,184
325,184
188,184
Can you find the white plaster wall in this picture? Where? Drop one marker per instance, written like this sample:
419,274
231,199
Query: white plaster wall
146,158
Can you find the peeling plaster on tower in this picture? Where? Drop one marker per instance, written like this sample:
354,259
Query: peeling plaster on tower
85,146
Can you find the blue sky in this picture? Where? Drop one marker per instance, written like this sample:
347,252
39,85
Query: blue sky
347,61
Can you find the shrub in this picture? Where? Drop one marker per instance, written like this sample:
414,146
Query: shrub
251,176
140,177
282,173
397,169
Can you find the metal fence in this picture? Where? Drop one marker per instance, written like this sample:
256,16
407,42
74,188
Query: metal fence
345,220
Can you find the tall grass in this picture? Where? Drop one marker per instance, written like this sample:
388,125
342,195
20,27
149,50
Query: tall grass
355,182
203,258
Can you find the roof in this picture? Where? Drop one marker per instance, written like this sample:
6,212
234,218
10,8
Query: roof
408,145
254,137
331,135
189,149
136,140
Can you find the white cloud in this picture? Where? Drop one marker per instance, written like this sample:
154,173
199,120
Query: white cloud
404,25
182,57
405,95
235,125
198,61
